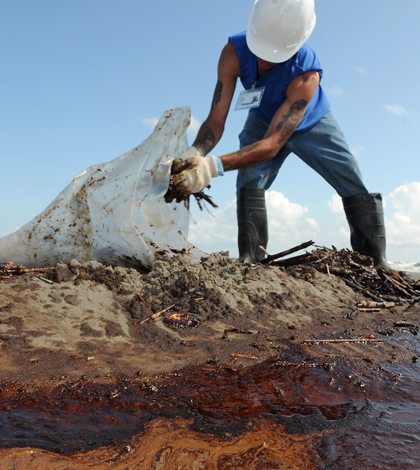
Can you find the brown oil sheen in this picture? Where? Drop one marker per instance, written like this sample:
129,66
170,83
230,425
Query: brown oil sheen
292,412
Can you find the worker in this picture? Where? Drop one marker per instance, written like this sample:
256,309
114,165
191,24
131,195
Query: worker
288,113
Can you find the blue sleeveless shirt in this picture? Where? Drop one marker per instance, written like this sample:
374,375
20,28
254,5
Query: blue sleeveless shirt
277,80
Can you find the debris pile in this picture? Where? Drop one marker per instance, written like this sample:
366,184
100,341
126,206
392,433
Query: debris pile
356,270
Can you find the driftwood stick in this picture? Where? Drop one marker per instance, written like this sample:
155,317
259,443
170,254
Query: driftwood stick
141,298
362,268
295,260
264,250
246,356
376,304
157,314
397,285
44,279
360,340
412,303
369,309
287,252
341,272
364,291
328,270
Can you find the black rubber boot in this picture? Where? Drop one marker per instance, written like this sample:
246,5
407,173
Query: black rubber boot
252,224
365,216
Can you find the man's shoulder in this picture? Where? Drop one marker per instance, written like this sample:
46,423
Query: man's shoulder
238,36
229,61
306,58
306,51
239,40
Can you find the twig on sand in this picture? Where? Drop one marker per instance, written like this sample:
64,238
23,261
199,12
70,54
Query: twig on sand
157,314
44,279
358,340
264,250
365,291
412,303
141,298
408,292
287,252
375,304
246,356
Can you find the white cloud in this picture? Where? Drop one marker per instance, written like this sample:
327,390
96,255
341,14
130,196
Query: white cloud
336,204
407,197
192,128
279,203
150,122
403,227
337,231
194,125
336,91
400,111
344,233
360,69
216,231
291,224
312,223
356,150
396,109
286,224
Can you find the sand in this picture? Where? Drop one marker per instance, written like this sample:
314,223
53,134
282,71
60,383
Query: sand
90,320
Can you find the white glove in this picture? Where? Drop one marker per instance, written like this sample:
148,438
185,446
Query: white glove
190,152
193,175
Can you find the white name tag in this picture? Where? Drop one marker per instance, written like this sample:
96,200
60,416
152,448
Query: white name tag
250,98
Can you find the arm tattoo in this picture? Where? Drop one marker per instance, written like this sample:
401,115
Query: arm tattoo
248,148
206,139
217,94
292,118
238,165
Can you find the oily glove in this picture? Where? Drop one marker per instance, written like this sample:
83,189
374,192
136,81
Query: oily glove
190,152
194,174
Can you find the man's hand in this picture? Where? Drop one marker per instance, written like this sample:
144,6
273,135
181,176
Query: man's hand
194,174
190,152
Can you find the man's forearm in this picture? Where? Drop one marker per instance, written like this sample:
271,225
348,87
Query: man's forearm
248,156
279,132
205,140
208,136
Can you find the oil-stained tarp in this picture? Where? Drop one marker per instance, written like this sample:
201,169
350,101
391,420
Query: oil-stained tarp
114,212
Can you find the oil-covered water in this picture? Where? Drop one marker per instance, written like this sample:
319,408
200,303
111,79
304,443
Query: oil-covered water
290,412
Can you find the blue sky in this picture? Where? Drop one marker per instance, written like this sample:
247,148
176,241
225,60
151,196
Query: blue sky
83,81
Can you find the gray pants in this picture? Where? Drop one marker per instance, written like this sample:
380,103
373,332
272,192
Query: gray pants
323,148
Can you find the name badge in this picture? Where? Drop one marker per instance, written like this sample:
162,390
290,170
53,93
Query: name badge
250,98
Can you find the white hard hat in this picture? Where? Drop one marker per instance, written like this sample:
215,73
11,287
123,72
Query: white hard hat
277,29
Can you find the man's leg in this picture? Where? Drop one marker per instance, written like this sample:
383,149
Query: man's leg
250,196
325,150
252,224
365,216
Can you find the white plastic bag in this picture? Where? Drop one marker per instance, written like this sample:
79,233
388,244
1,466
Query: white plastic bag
113,213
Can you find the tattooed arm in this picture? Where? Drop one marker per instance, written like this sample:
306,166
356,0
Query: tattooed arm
213,127
299,93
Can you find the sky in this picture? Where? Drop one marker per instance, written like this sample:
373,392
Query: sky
84,81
